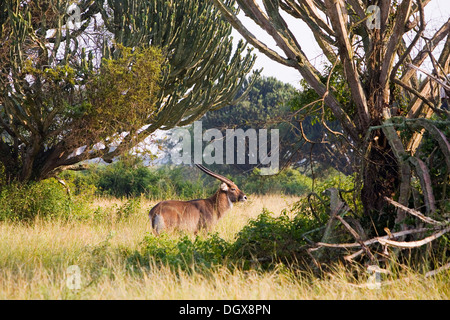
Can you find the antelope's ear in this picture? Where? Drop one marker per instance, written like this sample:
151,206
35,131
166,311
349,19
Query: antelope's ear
223,186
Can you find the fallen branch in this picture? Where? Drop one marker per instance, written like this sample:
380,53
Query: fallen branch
435,272
391,282
357,238
413,244
374,240
353,255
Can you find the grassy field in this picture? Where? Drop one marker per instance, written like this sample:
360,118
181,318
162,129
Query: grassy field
34,261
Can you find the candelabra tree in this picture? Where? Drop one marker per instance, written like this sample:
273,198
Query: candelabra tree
87,79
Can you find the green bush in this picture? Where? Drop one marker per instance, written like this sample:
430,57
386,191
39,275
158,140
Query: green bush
288,181
25,202
82,183
120,180
270,239
185,254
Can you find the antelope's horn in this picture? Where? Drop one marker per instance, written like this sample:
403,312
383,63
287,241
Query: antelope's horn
213,174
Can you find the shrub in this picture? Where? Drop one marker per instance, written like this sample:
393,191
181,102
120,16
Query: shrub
82,183
269,239
288,181
25,202
121,180
129,208
183,253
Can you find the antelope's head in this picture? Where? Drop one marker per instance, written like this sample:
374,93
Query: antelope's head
229,187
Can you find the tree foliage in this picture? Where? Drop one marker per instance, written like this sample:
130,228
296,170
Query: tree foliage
201,70
304,124
123,96
266,106
96,81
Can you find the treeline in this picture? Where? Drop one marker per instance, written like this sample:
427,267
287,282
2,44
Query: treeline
122,179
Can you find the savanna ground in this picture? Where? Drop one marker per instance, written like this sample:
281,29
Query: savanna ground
34,259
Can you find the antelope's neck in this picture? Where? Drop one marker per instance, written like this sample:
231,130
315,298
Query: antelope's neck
221,203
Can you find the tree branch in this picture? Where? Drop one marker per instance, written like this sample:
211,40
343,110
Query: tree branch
249,37
337,17
402,16
413,244
414,212
421,56
413,43
295,58
374,240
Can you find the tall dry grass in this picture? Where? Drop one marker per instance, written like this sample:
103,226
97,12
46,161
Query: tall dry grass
34,260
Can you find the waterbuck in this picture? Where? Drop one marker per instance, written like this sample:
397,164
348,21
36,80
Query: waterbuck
195,215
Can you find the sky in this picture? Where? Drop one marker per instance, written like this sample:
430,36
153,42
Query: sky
436,13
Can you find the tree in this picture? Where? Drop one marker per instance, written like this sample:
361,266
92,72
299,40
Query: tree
271,104
202,72
371,43
318,129
265,106
95,79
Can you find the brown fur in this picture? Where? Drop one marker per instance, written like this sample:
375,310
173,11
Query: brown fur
195,215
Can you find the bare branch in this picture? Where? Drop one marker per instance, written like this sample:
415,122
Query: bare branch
421,56
357,238
413,91
403,13
413,43
439,81
358,7
425,182
337,17
405,170
439,137
352,256
374,240
414,212
249,37
435,272
413,244
281,38
294,58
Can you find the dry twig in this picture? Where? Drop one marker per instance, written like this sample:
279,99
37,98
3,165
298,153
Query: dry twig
414,213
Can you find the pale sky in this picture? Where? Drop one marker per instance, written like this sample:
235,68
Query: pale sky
436,13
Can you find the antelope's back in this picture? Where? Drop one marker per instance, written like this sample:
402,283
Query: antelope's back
173,214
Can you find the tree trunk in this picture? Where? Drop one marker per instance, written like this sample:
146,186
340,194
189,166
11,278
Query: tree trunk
380,174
